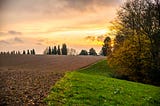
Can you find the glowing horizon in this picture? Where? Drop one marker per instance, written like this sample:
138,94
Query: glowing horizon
38,24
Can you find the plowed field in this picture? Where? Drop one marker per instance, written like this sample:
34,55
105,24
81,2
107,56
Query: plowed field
26,79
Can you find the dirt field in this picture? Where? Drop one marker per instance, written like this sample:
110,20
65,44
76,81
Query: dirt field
26,80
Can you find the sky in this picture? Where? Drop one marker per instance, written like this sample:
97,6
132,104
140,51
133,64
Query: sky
81,24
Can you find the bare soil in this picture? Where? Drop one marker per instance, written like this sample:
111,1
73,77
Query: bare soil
25,80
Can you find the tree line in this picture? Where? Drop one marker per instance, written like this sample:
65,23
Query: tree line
92,51
56,50
105,51
28,52
136,51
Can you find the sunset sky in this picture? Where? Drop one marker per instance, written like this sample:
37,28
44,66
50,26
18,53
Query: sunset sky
81,24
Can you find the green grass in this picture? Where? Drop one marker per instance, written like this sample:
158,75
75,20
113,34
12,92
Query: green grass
93,86
99,68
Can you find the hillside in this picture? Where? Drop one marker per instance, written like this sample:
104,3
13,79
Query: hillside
94,86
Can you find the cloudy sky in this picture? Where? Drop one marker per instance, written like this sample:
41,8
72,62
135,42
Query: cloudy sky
27,24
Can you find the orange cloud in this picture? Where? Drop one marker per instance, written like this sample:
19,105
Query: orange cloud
56,21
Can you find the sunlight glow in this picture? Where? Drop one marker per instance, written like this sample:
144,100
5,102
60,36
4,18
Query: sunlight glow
55,22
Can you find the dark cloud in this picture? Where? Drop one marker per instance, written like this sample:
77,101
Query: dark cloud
39,43
89,4
79,4
11,41
99,38
53,6
12,32
16,39
92,38
3,42
46,41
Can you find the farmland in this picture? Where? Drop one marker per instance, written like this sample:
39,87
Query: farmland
27,79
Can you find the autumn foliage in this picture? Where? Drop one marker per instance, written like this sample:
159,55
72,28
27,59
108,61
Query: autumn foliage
136,53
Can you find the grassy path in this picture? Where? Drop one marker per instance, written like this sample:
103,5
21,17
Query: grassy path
93,86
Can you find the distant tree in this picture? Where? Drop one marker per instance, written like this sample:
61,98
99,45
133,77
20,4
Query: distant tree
28,52
71,52
18,52
14,52
106,49
24,52
45,52
83,52
92,52
55,50
1,53
59,50
11,52
49,50
52,51
33,52
64,49
8,52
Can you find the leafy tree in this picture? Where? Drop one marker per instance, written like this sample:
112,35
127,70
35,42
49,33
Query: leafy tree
119,39
59,50
83,52
139,35
142,17
92,52
64,49
106,49
126,58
